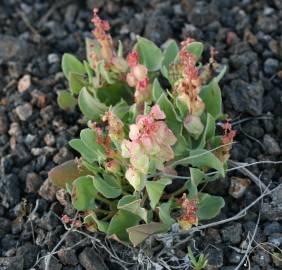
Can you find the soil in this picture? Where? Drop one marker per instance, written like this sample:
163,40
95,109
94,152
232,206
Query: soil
34,132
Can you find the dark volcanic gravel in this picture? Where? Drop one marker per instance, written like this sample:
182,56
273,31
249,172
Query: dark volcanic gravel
34,132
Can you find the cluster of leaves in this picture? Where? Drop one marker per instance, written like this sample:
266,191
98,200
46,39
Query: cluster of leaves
198,263
138,132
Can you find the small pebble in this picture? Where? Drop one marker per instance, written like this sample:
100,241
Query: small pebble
24,111
14,129
271,145
24,83
238,186
270,66
49,139
53,58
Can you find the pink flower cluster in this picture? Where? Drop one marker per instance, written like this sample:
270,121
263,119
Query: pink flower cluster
115,126
138,78
150,142
189,213
188,88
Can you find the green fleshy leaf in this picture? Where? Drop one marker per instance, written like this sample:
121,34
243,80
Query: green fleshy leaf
172,118
169,55
84,151
155,190
157,90
120,222
221,74
182,107
101,224
66,101
202,159
71,64
77,82
197,177
196,48
112,94
136,179
211,95
89,71
164,213
193,124
208,132
89,138
91,107
139,233
209,206
181,146
150,54
83,194
104,73
131,204
120,109
90,223
108,186
66,173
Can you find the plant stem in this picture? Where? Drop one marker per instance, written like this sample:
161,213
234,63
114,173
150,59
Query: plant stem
178,191
144,199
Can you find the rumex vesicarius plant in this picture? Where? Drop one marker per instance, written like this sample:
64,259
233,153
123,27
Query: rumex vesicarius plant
124,182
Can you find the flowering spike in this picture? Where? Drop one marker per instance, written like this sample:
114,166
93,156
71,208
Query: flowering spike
138,78
223,153
104,39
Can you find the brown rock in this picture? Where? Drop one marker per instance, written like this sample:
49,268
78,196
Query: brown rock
48,190
250,37
24,111
33,182
62,196
39,98
238,186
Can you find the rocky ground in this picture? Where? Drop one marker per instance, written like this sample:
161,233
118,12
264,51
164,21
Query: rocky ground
34,132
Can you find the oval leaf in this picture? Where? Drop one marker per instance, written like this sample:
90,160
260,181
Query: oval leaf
71,64
131,204
66,173
84,151
202,159
211,95
157,90
77,82
209,206
107,187
150,54
139,233
91,107
66,101
155,190
120,222
196,48
172,118
83,194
